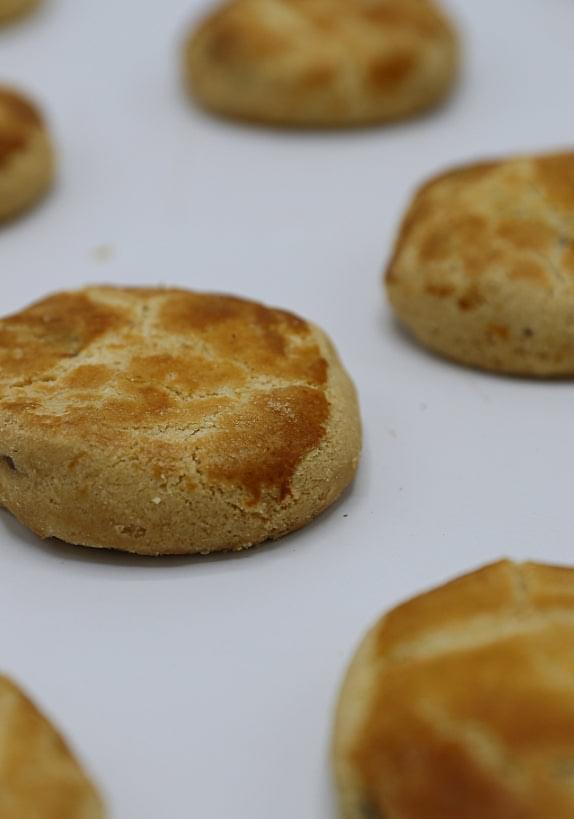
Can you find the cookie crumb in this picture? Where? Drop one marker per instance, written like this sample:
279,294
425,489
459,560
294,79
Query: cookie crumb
103,253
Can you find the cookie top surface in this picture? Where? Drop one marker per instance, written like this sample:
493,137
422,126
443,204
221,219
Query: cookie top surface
511,218
249,385
468,704
39,777
483,269
321,62
19,121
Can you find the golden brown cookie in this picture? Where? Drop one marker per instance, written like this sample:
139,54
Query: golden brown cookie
483,269
15,8
460,703
39,777
26,154
321,63
170,422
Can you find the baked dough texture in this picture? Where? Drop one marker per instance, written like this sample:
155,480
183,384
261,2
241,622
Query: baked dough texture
26,154
10,9
460,703
39,777
164,421
321,63
483,269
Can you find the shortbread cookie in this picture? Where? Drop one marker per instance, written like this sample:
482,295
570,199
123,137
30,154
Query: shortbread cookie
321,63
483,269
170,422
460,703
26,154
39,777
15,8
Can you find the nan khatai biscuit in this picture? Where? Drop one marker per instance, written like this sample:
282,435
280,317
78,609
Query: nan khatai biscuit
26,154
460,703
10,9
321,63
39,777
170,422
483,270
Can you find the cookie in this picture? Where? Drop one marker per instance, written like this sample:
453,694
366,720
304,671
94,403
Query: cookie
322,63
15,8
164,421
26,154
459,703
484,266
39,777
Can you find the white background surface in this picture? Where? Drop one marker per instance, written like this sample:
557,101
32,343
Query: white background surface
204,688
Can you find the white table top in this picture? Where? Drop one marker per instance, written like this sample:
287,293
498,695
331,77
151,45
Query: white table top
204,688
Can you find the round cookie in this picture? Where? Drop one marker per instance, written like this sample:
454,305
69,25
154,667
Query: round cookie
15,8
26,154
483,269
322,63
459,703
169,422
39,776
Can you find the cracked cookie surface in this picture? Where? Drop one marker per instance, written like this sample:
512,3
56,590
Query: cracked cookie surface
164,421
322,63
459,703
483,268
39,776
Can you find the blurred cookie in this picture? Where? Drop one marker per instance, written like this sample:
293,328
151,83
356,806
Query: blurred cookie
460,703
15,8
39,777
26,154
170,422
321,63
484,264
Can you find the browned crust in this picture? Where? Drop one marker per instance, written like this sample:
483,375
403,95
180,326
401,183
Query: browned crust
27,161
236,421
39,775
483,267
19,122
459,703
321,64
13,10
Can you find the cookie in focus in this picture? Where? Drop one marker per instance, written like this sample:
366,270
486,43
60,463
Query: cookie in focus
322,63
162,421
483,268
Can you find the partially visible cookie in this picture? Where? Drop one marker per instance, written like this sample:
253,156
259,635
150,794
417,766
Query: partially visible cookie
483,268
15,8
26,154
39,776
170,422
459,704
322,63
